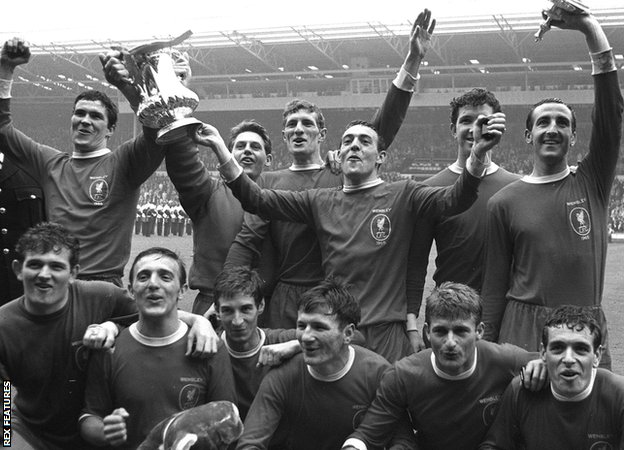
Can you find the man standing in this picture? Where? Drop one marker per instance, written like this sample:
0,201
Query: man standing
149,377
584,406
314,400
547,233
299,261
364,228
460,239
452,390
21,207
214,212
92,191
253,350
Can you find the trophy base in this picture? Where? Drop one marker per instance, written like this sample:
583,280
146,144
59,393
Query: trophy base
176,132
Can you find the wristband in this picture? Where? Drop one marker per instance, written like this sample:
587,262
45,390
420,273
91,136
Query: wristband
602,62
405,80
5,88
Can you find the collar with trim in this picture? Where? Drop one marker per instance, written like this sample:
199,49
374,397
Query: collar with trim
334,376
301,167
93,154
249,353
462,376
546,178
581,395
158,341
360,187
490,168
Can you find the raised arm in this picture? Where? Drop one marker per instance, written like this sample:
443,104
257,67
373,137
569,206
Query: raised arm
281,205
390,116
604,144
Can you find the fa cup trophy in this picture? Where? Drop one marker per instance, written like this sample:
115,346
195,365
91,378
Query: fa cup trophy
572,6
160,73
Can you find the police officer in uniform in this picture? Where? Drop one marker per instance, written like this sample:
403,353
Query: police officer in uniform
21,207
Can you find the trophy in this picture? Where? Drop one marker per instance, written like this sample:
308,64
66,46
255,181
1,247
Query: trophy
572,6
160,73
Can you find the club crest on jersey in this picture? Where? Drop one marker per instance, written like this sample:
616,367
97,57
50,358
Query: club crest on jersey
580,221
380,227
98,191
189,396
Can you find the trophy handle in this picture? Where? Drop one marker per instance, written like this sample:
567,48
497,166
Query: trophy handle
159,45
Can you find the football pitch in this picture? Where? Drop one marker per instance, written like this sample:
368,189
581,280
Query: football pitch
613,301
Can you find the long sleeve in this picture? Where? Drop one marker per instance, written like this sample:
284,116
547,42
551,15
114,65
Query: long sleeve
390,116
190,177
498,264
386,414
281,205
417,263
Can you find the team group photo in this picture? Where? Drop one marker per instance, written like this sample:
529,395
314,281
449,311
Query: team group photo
334,226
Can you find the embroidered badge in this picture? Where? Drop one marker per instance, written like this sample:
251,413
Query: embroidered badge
580,221
189,396
98,191
380,227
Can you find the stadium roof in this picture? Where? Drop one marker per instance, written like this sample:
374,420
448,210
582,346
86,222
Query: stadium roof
468,45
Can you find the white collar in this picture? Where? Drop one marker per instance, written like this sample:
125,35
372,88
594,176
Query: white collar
301,167
462,376
248,353
546,178
158,341
93,154
581,395
490,168
334,376
361,187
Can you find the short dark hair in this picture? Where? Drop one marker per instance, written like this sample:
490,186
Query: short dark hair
529,118
48,237
334,296
297,105
164,252
254,127
381,143
453,301
109,106
474,97
235,280
575,318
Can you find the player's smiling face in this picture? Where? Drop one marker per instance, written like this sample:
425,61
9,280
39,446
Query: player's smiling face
466,118
302,134
89,126
239,318
248,150
454,343
323,340
551,133
156,285
570,357
46,278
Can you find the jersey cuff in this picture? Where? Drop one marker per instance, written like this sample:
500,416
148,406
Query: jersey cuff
405,80
353,442
602,62
5,88
230,170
